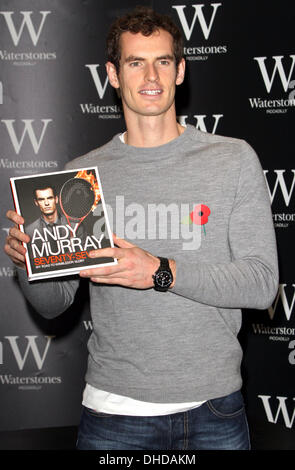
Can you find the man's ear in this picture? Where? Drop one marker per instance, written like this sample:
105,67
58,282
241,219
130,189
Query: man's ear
112,74
180,72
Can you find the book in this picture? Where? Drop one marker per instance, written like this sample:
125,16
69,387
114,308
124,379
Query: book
65,215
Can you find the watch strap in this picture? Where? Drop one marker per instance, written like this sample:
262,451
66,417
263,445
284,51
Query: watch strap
164,266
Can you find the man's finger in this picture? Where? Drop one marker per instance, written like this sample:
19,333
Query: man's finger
122,243
15,255
15,245
14,217
104,271
113,281
107,253
16,233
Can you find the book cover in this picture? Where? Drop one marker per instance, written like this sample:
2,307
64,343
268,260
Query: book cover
65,216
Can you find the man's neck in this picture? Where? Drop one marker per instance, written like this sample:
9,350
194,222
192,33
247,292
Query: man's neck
50,219
151,131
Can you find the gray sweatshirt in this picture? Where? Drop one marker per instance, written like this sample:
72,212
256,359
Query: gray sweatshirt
202,200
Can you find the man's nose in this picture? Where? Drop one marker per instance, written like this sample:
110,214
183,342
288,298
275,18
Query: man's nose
151,73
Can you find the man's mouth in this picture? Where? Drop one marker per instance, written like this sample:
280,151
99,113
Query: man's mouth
151,92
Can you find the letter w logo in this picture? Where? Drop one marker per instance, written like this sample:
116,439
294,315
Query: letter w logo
288,308
99,87
28,129
281,408
31,346
26,21
198,14
280,181
278,67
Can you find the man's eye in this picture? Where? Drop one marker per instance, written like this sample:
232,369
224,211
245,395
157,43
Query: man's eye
164,62
134,64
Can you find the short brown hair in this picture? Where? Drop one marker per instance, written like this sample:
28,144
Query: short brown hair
146,21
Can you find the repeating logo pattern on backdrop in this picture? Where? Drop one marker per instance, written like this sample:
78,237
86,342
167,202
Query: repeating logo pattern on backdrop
197,23
275,72
29,360
281,185
102,110
31,27
29,134
279,409
281,329
203,122
29,353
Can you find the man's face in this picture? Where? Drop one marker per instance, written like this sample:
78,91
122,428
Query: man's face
46,201
148,75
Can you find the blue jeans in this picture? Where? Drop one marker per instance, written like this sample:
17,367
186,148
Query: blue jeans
218,424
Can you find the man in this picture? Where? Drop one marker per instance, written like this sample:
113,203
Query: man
164,359
47,201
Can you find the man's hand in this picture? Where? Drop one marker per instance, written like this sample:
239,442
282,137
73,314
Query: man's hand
13,247
135,266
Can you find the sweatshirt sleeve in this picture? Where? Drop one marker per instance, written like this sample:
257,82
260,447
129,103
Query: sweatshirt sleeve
250,278
49,298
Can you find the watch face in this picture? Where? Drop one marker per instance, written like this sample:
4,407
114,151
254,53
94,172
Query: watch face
163,278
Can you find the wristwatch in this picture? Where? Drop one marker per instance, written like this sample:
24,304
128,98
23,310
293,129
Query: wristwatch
163,277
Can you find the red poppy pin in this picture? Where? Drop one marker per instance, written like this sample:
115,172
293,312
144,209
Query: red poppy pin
198,216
